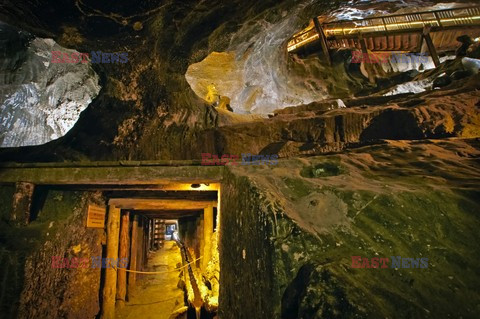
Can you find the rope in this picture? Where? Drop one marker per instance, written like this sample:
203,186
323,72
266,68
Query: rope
158,272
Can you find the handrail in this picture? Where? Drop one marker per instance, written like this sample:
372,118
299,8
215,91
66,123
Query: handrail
410,22
405,14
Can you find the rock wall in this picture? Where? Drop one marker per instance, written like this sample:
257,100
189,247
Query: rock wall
31,287
41,101
246,253
298,225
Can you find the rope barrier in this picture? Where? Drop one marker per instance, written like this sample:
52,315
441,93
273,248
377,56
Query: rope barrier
158,272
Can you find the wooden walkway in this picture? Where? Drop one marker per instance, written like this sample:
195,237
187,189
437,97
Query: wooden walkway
399,32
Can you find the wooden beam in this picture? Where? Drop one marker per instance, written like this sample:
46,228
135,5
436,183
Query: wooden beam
323,40
146,243
133,256
123,254
109,289
105,173
169,214
162,194
151,233
140,246
159,204
366,62
199,242
207,235
22,203
431,46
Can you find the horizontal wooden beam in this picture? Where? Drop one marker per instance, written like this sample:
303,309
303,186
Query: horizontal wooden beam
398,32
154,194
159,204
107,174
170,215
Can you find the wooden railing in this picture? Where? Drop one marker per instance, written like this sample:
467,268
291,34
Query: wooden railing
387,24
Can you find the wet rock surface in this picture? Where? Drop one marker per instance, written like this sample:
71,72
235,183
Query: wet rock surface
297,236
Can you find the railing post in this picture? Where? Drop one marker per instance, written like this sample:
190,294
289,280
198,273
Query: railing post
323,40
431,46
366,59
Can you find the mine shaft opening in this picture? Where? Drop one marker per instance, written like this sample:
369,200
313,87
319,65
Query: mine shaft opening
162,242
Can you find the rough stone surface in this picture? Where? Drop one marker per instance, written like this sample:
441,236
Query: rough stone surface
40,101
32,287
408,199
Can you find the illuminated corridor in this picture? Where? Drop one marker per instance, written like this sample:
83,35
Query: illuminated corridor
156,296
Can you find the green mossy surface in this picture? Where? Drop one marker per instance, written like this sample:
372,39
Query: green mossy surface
314,225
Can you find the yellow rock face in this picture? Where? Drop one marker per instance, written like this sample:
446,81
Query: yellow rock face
218,74
224,102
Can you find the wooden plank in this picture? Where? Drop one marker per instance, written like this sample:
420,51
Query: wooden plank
207,235
431,47
122,254
133,255
110,285
103,175
159,204
323,40
367,64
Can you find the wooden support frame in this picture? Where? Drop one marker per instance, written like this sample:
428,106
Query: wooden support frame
366,59
140,243
431,46
133,255
207,235
323,40
122,254
110,286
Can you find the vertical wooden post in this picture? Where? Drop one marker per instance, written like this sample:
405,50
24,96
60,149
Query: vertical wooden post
147,243
161,233
140,245
323,40
207,235
151,233
199,246
109,289
366,59
430,45
133,255
122,255
22,203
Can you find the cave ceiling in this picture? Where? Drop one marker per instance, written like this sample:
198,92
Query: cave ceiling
153,106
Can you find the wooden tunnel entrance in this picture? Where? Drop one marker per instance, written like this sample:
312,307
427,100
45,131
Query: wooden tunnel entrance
139,199
136,230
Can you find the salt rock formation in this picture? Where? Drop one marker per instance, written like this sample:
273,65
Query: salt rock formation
40,101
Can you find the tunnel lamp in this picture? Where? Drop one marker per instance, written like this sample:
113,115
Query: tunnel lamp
195,186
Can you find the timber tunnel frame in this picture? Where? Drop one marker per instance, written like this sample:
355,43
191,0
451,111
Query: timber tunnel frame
118,181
